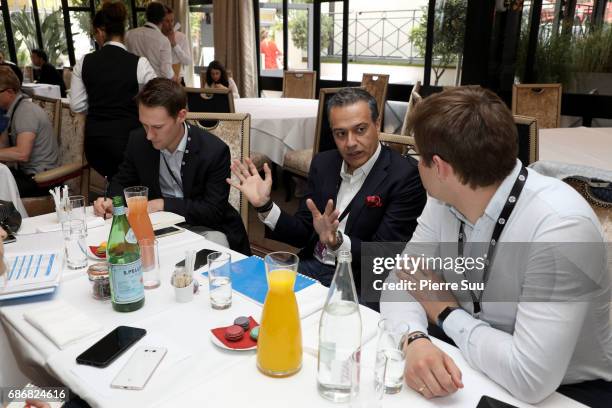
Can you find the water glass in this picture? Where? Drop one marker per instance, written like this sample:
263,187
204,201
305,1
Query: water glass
366,388
76,209
390,358
75,245
149,256
220,280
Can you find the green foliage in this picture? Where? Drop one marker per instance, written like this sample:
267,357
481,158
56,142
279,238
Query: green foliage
53,35
593,52
298,26
449,32
3,42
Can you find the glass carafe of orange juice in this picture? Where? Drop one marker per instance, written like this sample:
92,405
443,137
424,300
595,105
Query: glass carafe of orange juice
279,346
138,217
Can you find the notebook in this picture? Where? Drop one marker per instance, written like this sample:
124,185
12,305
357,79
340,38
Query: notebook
29,274
249,278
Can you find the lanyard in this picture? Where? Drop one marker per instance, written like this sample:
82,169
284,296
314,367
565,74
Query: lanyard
10,123
170,171
513,197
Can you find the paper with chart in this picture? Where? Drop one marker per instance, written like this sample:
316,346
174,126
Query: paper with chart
31,271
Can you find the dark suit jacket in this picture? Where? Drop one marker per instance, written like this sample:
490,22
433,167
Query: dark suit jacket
207,165
395,179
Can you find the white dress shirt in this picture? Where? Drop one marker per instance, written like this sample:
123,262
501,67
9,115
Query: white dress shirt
78,93
528,347
181,52
167,183
148,41
349,187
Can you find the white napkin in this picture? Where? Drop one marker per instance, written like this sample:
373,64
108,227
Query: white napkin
92,222
61,323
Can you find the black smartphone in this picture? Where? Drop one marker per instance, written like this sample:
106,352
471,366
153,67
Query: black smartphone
111,346
201,259
10,238
162,232
490,402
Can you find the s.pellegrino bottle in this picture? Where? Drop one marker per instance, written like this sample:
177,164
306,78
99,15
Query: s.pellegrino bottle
339,333
125,269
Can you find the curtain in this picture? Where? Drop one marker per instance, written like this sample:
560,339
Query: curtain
234,38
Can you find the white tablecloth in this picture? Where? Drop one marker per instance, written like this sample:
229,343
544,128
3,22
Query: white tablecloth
9,191
581,145
201,372
47,90
280,124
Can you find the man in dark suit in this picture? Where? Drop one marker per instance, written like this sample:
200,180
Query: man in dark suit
183,166
377,193
46,73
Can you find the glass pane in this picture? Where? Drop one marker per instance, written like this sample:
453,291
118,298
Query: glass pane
380,39
300,34
201,26
271,38
78,3
449,32
53,32
141,18
80,25
331,41
142,3
24,31
3,43
570,49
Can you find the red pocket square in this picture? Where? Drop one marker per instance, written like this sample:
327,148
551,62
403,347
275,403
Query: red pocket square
374,201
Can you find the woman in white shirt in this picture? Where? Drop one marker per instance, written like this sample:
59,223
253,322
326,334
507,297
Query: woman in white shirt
216,77
104,83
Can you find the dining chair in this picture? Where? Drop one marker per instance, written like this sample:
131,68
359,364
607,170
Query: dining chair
376,85
53,109
209,100
527,128
299,84
541,101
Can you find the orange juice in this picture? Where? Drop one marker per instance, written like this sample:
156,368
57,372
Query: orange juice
279,347
138,217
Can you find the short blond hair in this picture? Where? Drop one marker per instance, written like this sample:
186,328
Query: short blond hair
8,79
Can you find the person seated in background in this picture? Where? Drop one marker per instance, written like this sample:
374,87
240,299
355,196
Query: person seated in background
181,52
148,41
104,84
45,73
12,66
216,77
540,321
361,191
183,166
29,142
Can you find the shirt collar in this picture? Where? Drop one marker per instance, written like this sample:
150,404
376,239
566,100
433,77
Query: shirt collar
116,44
364,170
497,202
149,24
182,144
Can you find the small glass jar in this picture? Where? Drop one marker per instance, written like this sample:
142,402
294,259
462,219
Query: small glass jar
100,283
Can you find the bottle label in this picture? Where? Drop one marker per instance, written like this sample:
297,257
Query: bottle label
118,210
130,237
126,280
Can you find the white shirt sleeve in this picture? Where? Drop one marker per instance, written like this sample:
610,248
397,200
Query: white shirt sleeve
272,218
233,88
533,360
144,72
181,50
165,56
78,93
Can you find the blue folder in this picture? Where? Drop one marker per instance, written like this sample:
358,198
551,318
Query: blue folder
249,278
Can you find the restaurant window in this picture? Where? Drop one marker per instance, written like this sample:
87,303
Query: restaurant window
271,38
24,30
202,38
301,31
3,41
53,32
385,37
573,47
331,41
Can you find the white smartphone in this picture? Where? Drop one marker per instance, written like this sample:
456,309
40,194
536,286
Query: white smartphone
139,368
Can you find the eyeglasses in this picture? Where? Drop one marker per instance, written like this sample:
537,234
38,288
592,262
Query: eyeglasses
5,89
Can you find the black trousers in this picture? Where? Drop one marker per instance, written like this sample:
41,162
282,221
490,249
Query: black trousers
317,270
26,185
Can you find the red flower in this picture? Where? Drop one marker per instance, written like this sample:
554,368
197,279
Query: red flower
374,201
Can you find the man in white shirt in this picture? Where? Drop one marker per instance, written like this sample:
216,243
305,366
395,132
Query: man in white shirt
148,41
181,52
541,317
361,191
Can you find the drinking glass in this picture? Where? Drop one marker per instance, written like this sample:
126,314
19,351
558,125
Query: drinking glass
76,209
149,256
138,215
220,280
366,387
390,358
75,245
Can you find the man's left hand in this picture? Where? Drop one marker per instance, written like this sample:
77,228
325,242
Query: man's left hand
325,224
172,38
434,301
155,205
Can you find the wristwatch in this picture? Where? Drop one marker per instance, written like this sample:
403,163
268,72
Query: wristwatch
444,314
339,241
410,337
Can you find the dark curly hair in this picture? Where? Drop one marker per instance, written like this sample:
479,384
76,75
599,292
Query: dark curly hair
219,66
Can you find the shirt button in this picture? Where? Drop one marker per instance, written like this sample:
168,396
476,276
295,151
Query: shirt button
183,163
187,151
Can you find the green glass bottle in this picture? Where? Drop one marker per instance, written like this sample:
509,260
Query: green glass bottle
125,269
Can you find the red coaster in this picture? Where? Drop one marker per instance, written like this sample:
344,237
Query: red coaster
244,343
94,250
